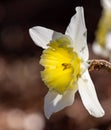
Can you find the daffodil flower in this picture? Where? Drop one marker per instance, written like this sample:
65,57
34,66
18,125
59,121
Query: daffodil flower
102,43
65,62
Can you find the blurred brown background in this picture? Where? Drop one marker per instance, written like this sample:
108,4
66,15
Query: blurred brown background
21,89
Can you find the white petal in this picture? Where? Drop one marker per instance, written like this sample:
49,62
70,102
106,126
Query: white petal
106,4
78,32
42,36
98,50
108,41
88,96
55,102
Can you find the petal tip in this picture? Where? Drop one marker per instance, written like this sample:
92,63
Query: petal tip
32,32
79,7
48,111
47,115
98,114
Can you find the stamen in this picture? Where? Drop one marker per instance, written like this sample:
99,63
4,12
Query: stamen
66,66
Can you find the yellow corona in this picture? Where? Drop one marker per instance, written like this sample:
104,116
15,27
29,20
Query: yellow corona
61,66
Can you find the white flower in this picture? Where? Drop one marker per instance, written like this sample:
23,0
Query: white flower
65,59
106,4
102,43
103,51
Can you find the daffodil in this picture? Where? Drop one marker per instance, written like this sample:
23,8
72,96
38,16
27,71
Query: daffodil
65,62
102,43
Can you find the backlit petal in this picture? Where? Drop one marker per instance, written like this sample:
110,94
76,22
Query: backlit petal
102,51
106,4
88,96
108,41
55,102
78,32
42,36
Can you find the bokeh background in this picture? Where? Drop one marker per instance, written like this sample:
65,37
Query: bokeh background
21,89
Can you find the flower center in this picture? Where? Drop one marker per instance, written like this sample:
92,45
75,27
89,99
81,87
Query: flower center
62,66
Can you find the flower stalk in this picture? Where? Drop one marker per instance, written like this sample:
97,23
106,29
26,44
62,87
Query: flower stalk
99,64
